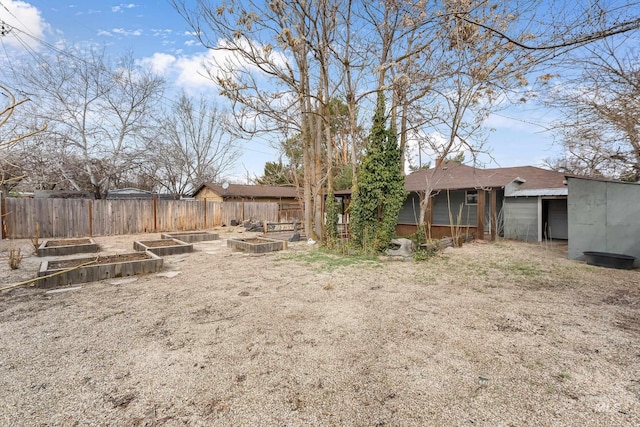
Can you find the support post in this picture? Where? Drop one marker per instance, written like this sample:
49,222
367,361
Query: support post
3,216
480,211
205,213
90,205
429,215
494,214
155,213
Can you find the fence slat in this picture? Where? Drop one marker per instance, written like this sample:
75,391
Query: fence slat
58,218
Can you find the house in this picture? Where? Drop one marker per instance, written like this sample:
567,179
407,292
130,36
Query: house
286,197
603,217
526,202
239,192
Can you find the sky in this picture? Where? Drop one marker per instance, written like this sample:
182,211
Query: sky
158,36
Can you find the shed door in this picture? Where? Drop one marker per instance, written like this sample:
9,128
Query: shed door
558,225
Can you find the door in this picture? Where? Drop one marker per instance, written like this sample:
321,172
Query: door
557,225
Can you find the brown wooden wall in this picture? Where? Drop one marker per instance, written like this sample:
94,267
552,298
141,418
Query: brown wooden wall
82,217
208,194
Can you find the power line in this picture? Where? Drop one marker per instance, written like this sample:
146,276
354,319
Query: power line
530,122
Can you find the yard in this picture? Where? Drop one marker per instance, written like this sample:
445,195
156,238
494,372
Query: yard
490,334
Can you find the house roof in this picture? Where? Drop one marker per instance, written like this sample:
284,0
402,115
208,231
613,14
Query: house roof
136,193
130,190
251,191
456,176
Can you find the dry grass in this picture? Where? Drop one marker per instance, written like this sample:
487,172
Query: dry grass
14,258
487,334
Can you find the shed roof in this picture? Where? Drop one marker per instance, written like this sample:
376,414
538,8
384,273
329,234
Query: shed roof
545,192
251,191
590,178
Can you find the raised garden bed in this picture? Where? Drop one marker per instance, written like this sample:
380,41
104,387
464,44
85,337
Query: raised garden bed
97,268
609,260
256,245
60,247
163,247
191,236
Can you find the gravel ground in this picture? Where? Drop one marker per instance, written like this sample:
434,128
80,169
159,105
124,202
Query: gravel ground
492,334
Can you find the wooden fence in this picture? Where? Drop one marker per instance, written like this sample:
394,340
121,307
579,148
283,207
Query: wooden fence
56,218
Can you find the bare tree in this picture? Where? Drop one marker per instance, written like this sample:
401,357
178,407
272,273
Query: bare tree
444,65
485,56
277,74
600,124
461,75
193,146
97,110
12,170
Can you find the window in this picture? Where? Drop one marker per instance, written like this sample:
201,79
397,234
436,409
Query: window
471,197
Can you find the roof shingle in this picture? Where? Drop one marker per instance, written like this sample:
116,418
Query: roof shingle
252,191
456,176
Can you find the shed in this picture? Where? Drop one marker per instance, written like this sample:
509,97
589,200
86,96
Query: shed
240,192
536,214
604,216
289,205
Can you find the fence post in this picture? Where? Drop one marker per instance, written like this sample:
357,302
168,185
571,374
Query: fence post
155,213
90,218
3,212
205,213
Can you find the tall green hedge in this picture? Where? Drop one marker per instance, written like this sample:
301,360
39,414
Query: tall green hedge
380,192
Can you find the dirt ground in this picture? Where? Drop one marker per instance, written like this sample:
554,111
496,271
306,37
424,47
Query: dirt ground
492,334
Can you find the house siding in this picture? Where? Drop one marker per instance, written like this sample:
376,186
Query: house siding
410,212
456,198
208,194
521,218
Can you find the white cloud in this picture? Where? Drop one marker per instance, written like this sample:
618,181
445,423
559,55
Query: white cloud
127,33
121,7
104,33
186,73
24,19
159,62
164,33
192,72
88,12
